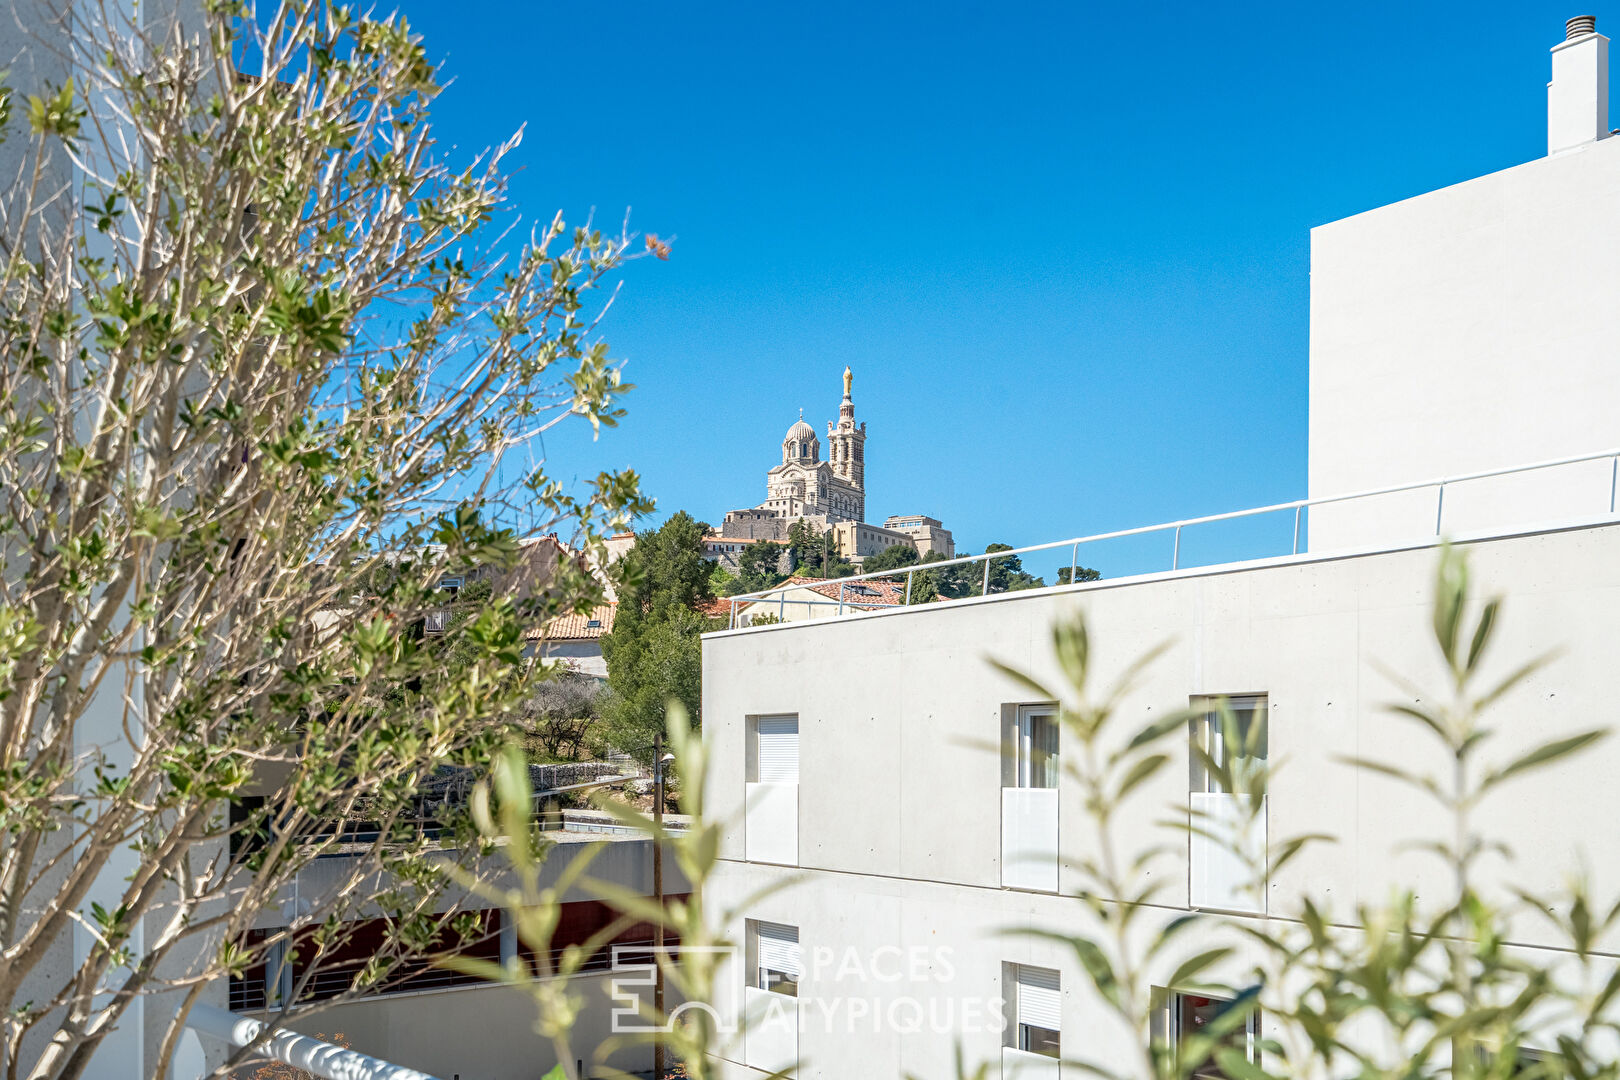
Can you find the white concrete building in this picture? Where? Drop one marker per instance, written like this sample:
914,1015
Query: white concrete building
928,534
1455,333
1470,329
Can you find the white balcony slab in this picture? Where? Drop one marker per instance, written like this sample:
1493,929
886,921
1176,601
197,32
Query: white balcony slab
1029,839
770,1031
1022,1065
1223,863
771,823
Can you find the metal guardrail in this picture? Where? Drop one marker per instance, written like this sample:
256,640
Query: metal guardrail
1298,506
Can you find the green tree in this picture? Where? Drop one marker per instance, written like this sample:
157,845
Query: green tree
924,589
814,552
757,565
653,654
1007,574
807,547
949,582
666,570
664,664
836,566
561,715
891,558
268,367
721,581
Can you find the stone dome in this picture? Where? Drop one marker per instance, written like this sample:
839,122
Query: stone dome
800,432
800,444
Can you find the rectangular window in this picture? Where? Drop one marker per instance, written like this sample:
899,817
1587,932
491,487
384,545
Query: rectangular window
1191,1013
1037,750
1233,740
776,958
1038,1009
776,749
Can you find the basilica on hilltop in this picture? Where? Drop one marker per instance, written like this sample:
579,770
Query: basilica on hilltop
830,495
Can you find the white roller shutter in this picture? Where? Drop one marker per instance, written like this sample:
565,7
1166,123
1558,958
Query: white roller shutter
1040,1003
779,947
779,749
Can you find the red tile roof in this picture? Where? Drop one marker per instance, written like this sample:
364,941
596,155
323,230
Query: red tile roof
857,594
576,627
720,605
872,592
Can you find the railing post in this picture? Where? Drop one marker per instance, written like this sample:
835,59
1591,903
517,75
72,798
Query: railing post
984,590
1297,509
734,614
1074,561
908,587
1614,478
1175,554
840,598
1440,508
781,608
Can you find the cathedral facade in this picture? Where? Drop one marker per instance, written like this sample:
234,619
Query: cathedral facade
829,494
804,486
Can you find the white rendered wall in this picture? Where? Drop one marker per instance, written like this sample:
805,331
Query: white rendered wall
1464,330
584,657
900,786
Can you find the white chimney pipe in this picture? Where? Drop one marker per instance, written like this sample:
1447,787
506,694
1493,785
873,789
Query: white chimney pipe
1578,96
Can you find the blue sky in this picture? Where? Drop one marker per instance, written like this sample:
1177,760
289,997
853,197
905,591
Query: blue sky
1065,247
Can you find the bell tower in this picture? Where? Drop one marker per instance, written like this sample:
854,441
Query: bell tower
846,443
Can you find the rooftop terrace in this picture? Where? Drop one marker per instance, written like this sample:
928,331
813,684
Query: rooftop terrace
849,596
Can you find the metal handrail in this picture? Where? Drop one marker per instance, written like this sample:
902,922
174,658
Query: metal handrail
1296,505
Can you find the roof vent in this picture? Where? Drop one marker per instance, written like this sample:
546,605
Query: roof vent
1580,24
